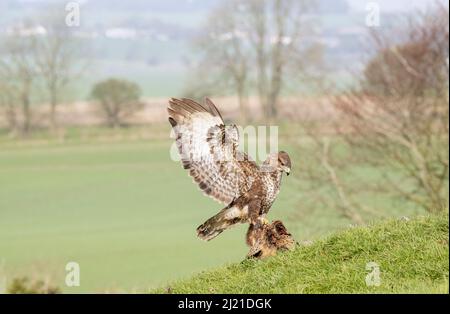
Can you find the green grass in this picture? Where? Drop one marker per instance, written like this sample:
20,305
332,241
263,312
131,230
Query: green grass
413,257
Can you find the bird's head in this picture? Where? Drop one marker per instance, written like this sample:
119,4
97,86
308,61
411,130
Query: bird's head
279,162
284,162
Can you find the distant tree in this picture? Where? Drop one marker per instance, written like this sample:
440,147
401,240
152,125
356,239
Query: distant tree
57,59
117,98
18,69
225,56
7,104
412,67
263,42
47,62
400,117
388,137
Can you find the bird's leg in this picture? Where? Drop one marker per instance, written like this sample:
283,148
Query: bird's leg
263,220
260,222
256,215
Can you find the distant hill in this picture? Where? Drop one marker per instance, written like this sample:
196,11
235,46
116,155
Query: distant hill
155,5
336,6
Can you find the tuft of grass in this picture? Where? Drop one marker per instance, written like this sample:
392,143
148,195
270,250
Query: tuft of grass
412,256
25,285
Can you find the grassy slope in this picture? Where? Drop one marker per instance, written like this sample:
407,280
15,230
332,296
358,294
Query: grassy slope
412,255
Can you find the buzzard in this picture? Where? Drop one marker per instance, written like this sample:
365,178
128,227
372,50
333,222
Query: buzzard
209,151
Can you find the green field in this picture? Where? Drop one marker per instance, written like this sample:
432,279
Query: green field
113,201
123,210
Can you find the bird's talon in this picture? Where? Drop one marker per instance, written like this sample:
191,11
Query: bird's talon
264,221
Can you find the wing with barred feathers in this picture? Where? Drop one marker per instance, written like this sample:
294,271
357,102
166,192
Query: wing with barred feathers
208,149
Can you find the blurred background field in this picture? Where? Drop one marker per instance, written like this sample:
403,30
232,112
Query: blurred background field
85,167
114,202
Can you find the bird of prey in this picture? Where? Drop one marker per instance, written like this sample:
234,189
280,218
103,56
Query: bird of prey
209,151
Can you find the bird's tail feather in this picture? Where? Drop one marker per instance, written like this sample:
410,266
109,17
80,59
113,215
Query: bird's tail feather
218,223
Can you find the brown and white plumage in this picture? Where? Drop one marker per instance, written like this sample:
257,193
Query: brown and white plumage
268,239
209,151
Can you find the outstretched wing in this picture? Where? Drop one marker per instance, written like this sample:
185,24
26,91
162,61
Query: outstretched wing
208,149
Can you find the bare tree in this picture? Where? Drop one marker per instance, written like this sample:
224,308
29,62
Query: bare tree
398,120
260,41
225,54
388,138
278,31
49,57
19,68
57,59
327,178
8,102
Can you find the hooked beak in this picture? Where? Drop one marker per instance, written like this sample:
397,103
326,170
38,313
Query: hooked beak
287,170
